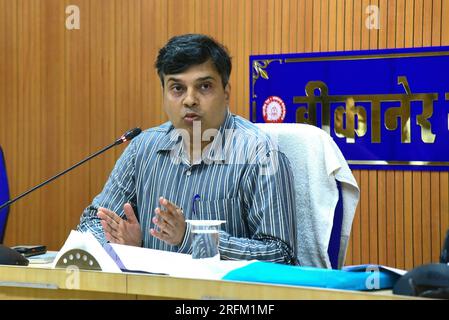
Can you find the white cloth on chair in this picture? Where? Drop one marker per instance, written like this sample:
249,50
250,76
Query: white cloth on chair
317,163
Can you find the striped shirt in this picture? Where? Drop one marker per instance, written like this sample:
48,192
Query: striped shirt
242,178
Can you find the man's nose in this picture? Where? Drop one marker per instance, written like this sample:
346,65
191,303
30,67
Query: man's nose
190,99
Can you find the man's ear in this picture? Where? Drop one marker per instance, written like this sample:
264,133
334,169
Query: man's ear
227,91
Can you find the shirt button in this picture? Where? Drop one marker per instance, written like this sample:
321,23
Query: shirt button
188,173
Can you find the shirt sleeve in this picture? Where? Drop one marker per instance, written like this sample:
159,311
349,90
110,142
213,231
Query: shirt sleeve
118,190
270,213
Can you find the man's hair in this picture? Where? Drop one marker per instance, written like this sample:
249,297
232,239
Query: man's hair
182,52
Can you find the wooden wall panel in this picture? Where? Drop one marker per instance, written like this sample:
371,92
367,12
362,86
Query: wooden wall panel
29,88
67,93
53,112
9,110
382,221
390,218
399,220
77,101
99,127
425,217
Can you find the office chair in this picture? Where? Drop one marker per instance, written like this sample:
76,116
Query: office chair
327,193
4,196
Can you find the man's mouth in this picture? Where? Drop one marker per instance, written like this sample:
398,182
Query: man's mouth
190,117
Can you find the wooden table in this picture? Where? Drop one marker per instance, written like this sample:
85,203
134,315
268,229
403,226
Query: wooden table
45,283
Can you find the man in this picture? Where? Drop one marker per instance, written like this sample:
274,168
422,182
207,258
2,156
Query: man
177,173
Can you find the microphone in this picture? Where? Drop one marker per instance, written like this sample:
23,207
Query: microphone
11,257
128,136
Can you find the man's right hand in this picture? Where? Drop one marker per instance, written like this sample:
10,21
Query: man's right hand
118,230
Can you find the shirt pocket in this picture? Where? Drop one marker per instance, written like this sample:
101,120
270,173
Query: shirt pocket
222,209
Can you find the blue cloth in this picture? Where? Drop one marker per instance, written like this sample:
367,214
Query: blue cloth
4,196
356,278
334,242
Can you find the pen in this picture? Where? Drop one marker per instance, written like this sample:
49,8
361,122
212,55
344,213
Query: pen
195,198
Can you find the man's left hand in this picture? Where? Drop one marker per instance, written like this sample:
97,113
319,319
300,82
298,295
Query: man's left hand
170,222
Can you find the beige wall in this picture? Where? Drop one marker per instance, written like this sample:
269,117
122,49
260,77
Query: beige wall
67,93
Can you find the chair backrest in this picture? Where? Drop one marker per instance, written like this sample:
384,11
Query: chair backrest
327,193
4,196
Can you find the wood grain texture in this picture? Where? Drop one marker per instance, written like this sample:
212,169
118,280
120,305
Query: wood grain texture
67,93
34,283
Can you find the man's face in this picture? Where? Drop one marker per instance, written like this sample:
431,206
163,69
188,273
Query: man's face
196,94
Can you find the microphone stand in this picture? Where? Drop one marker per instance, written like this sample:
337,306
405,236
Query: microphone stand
10,256
57,176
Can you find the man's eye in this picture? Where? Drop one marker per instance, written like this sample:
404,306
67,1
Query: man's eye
206,86
177,88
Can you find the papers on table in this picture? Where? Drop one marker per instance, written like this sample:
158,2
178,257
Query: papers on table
173,264
87,242
122,258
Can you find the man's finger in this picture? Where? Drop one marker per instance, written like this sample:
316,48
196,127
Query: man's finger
163,225
170,206
111,214
110,223
106,226
164,216
129,213
114,239
110,237
160,235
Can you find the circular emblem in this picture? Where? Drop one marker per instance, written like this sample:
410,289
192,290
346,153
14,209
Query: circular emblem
273,110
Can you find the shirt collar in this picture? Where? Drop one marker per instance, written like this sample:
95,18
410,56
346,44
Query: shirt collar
170,139
214,151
